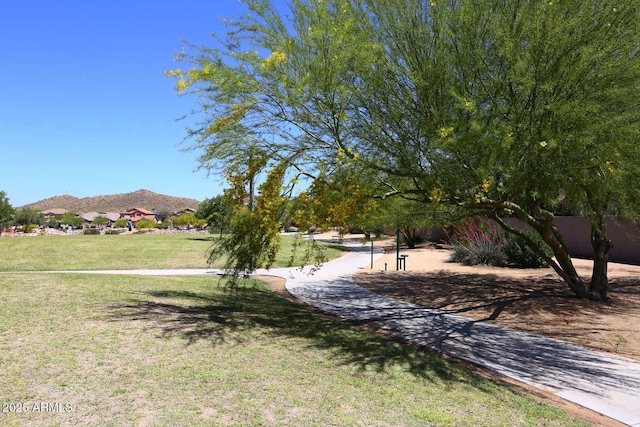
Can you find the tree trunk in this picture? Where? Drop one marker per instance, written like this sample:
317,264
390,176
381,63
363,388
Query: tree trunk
567,271
597,288
562,264
599,285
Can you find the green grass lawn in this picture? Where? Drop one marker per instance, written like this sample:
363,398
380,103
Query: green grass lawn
127,350
94,252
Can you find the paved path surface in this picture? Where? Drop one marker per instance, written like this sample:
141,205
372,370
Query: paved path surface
601,382
141,272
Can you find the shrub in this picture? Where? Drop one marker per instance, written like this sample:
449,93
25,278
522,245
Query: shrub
184,219
413,236
145,223
112,232
479,252
91,231
478,243
520,254
120,223
475,244
355,229
30,228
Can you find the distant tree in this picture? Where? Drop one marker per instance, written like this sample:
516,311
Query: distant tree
28,216
187,219
216,211
100,220
6,211
70,218
411,218
162,216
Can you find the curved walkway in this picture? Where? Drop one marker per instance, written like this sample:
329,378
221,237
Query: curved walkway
599,381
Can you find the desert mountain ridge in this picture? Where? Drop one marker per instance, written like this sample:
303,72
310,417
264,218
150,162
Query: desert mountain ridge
116,202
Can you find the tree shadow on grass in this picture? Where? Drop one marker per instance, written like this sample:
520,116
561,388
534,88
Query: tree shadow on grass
235,316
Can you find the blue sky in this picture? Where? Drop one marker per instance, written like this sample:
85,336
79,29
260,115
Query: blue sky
85,107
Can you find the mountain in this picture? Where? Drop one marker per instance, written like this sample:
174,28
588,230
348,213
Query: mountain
116,202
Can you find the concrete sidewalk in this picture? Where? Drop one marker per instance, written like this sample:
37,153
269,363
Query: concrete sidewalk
139,272
599,381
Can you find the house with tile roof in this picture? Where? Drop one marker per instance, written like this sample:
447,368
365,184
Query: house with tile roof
136,214
54,212
185,211
49,214
89,217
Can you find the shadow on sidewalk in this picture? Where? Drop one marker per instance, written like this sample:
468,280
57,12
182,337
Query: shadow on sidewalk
525,356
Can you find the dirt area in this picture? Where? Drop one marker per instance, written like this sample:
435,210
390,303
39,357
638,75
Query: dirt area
535,300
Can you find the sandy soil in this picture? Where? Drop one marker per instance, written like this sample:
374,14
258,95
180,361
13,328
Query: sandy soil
535,300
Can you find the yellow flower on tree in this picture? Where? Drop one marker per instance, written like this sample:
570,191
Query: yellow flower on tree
275,58
543,144
436,195
609,166
445,132
486,184
181,85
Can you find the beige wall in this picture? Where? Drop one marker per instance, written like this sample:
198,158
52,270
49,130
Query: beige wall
623,233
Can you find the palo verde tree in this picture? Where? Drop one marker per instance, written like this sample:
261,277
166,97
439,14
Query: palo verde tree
543,111
254,239
100,221
498,107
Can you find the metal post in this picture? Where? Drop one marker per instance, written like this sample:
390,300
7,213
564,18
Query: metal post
251,207
372,254
397,249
